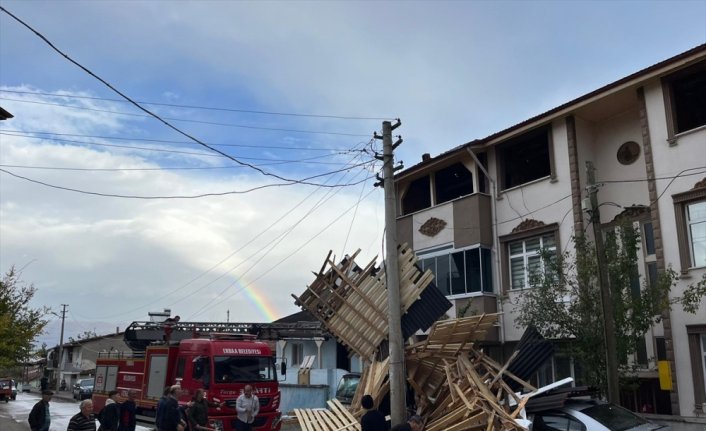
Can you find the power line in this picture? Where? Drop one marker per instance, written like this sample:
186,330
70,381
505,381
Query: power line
201,154
232,192
250,241
210,108
166,141
162,119
147,111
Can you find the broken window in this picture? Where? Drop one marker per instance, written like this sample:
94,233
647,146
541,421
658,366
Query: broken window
417,197
525,158
687,91
452,182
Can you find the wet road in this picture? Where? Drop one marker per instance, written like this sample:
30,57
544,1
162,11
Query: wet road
13,415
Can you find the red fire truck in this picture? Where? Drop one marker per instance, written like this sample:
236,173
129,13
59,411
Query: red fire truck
219,358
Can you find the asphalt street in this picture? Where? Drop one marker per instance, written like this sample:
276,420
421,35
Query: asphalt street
13,414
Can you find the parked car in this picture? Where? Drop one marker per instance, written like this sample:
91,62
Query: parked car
8,391
591,415
346,388
83,389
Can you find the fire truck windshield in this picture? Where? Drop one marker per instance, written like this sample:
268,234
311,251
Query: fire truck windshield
244,369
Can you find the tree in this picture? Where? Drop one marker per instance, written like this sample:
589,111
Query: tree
565,302
19,323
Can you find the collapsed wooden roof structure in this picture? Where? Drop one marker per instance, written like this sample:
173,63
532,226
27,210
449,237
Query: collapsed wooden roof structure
456,386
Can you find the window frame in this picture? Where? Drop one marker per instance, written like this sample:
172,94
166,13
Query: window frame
670,100
449,251
506,240
518,140
681,201
696,335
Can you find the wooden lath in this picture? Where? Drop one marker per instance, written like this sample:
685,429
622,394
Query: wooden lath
352,302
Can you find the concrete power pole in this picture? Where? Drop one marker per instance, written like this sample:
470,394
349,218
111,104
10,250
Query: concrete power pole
61,344
606,297
398,407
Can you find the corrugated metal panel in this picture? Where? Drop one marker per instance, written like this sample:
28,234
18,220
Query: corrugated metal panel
533,350
432,304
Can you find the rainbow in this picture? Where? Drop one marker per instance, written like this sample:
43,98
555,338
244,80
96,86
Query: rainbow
261,303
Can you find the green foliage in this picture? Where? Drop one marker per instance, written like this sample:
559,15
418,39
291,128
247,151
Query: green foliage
564,302
19,323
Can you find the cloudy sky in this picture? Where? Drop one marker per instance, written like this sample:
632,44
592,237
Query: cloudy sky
114,213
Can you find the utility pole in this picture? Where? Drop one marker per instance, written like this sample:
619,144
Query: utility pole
398,407
61,344
606,297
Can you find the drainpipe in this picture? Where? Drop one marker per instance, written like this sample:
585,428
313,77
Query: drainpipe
496,245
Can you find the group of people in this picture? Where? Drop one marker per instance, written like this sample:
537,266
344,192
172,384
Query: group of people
115,415
194,415
374,420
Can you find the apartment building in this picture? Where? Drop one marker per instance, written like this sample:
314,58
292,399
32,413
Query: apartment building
477,214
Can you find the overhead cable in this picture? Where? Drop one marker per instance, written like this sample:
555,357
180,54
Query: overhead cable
147,111
209,108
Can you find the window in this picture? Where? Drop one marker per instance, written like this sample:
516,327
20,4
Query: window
526,260
525,158
696,229
460,272
452,182
660,349
555,421
696,335
297,353
244,369
690,214
417,197
686,98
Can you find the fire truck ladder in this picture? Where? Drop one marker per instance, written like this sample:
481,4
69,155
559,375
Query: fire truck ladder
139,335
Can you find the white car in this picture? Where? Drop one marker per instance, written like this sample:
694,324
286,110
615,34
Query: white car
591,415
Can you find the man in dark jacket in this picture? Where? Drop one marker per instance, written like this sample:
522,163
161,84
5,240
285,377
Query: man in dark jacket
110,415
171,417
128,411
415,423
39,418
372,420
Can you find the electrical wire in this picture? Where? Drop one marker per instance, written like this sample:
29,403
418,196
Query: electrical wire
201,154
242,247
202,195
147,111
166,141
183,120
270,246
324,229
210,108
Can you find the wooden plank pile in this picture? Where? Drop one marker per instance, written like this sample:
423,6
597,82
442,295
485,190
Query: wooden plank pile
456,386
352,301
336,418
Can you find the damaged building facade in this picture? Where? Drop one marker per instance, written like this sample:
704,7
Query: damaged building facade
477,215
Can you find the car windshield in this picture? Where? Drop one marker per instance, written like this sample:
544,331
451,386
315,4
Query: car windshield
244,369
85,383
613,417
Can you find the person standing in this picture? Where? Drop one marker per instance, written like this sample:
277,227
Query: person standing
83,420
128,412
44,383
110,415
39,418
198,411
171,416
372,420
248,406
160,408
